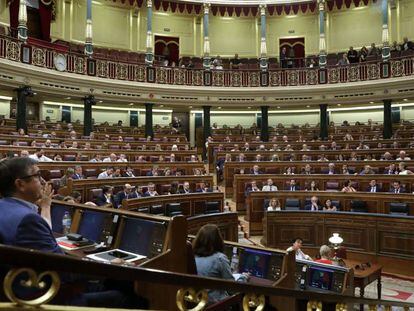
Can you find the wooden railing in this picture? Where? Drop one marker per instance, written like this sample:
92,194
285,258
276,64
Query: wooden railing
102,68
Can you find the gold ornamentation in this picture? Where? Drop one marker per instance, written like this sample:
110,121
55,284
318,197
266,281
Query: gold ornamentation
33,281
253,301
13,51
39,57
190,295
341,307
314,305
372,307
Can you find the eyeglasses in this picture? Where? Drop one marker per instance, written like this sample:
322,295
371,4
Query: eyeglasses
38,175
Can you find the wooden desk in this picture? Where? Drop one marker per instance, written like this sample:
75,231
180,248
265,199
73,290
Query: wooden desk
364,275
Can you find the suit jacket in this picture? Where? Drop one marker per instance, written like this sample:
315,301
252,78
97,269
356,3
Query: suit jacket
202,190
101,200
377,189
296,188
121,196
183,192
402,190
308,207
22,226
76,176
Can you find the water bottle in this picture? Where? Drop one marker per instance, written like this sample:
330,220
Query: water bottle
66,223
234,265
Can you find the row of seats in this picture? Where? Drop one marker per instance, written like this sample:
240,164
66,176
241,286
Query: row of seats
174,209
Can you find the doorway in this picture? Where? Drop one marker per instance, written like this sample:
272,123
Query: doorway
167,48
295,48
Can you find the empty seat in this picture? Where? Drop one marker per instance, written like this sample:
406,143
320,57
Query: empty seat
55,174
398,208
337,204
173,209
69,157
157,209
212,207
358,206
332,186
292,204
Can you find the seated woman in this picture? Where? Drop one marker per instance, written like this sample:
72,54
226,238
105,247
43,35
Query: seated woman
348,187
274,205
329,207
325,252
312,186
210,260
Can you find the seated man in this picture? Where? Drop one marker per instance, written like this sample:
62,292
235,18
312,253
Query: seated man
296,247
203,188
373,186
151,192
314,205
396,187
269,186
255,170
106,174
186,188
127,193
39,156
78,173
326,255
331,169
251,188
292,186
106,197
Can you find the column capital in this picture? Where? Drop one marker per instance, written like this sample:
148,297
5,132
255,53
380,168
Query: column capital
206,7
321,5
262,8
149,3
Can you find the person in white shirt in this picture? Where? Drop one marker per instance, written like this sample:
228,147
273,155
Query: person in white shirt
111,158
274,205
403,169
402,156
122,158
39,156
96,158
106,174
269,186
296,247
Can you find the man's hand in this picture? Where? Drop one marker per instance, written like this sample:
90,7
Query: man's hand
46,197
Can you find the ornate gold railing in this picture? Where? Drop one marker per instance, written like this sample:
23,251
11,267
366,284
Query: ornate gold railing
41,56
190,296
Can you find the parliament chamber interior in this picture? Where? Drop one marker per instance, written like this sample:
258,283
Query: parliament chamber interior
207,155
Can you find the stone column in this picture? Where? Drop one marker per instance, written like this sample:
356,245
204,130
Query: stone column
149,131
264,128
386,53
206,47
322,38
22,94
88,102
263,46
149,54
387,129
323,121
22,27
88,29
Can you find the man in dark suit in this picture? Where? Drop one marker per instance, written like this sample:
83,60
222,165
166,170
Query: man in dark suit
185,189
373,186
396,188
203,188
127,193
314,204
106,197
78,173
292,186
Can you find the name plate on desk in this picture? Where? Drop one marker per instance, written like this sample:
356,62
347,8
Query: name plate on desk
112,254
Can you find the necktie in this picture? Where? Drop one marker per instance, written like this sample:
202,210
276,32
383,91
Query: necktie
291,189
372,189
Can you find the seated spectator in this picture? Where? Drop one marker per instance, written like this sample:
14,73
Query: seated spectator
402,167
326,255
166,172
296,247
329,207
275,158
402,156
198,172
64,179
363,54
391,170
343,61
185,189
77,197
106,197
153,172
256,170
129,172
373,186
203,188
348,187
258,158
348,137
78,173
128,192
96,158
307,170
24,154
74,145
122,158
57,158
269,186
107,173
251,188
331,169
274,205
367,170
396,188
352,56
289,171
217,63
407,45
172,157
235,62
112,158
374,51
292,186
312,186
117,173
151,192
314,204
323,158
39,156
193,158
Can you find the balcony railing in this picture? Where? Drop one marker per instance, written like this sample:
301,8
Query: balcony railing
44,56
